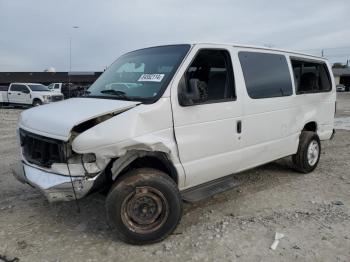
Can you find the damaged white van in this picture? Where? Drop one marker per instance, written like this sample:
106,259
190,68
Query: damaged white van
172,123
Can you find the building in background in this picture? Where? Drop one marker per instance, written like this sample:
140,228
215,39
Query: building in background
83,79
342,76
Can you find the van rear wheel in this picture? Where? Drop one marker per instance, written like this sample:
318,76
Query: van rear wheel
144,206
309,151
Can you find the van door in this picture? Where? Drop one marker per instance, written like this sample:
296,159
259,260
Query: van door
208,131
268,124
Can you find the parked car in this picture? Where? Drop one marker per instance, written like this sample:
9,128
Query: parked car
28,94
341,88
172,123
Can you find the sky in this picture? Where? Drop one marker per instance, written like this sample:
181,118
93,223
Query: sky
35,34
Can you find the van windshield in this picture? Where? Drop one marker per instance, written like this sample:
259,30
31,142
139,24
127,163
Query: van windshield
140,75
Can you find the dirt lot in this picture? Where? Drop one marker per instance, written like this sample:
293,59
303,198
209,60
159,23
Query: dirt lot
312,211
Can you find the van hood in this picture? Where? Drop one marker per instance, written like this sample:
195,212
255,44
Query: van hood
56,120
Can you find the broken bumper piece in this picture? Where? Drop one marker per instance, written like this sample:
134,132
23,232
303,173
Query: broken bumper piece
55,187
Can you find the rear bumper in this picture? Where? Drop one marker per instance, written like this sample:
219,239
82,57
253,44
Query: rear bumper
55,187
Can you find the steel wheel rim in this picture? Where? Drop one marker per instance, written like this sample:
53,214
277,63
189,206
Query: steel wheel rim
313,152
144,210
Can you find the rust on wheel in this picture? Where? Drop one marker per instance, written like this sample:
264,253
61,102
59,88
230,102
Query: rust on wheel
144,210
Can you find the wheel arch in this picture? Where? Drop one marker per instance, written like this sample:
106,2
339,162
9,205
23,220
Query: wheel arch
141,158
36,99
310,126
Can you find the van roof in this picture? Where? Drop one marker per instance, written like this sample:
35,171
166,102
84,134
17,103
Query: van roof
253,47
265,48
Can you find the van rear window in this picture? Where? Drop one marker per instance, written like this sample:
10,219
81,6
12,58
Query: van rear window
310,77
266,75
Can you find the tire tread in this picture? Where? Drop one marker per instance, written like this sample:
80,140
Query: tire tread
300,158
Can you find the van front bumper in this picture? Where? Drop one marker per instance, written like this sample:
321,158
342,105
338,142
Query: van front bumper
55,187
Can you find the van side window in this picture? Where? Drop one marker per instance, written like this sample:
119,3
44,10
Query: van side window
212,70
266,75
310,77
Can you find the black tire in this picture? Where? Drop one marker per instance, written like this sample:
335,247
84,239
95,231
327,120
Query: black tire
301,159
37,102
144,206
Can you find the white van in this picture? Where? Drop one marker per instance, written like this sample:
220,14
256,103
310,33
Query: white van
27,94
172,123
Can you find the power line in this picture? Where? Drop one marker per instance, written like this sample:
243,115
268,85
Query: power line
328,48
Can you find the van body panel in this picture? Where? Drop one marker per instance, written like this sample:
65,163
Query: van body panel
145,127
65,115
206,134
316,107
266,123
270,127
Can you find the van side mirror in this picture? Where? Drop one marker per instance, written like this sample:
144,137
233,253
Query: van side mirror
25,91
188,96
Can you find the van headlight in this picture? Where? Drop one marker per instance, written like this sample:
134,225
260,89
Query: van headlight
88,158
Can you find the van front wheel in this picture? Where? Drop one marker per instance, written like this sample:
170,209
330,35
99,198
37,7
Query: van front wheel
309,151
144,206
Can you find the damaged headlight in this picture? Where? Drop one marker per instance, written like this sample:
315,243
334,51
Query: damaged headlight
88,161
88,158
79,165
74,158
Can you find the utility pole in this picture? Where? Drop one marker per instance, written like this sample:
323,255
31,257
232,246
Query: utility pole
70,64
322,53
70,59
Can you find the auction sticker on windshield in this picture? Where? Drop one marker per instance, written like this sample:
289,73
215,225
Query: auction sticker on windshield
151,78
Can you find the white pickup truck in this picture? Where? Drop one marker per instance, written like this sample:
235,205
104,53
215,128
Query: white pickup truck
28,94
55,87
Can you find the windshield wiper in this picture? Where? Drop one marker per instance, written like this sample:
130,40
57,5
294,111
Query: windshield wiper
115,93
119,94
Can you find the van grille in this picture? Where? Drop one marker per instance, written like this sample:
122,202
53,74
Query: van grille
40,150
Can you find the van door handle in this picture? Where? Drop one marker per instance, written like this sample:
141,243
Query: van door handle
239,126
19,94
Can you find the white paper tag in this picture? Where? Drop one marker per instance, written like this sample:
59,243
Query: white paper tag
151,78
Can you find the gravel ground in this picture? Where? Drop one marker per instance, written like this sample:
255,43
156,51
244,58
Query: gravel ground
312,211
